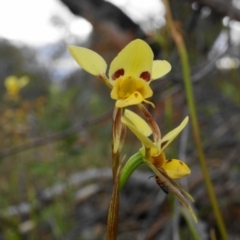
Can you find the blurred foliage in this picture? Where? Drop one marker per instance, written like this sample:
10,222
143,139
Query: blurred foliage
42,109
22,61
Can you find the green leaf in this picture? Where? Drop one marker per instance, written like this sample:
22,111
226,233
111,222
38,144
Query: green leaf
132,164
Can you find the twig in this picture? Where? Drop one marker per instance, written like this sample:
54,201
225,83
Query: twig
194,120
54,137
78,178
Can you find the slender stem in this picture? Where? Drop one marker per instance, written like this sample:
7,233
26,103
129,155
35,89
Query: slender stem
152,123
113,211
192,109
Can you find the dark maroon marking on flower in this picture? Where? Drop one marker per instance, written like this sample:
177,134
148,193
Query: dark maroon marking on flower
168,161
163,144
99,76
117,74
146,76
180,162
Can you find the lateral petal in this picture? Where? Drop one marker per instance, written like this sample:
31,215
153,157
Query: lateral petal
160,68
169,137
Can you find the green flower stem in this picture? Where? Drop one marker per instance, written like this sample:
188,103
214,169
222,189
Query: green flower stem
192,109
132,164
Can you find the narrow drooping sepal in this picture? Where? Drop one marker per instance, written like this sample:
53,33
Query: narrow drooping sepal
130,166
152,123
138,122
139,127
167,181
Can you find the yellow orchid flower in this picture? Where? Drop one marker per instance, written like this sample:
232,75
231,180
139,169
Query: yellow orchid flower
155,153
14,84
152,154
129,73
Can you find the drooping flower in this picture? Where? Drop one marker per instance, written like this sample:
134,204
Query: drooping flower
130,72
153,151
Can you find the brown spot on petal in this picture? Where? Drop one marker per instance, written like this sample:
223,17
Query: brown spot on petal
117,74
146,76
168,161
163,144
180,162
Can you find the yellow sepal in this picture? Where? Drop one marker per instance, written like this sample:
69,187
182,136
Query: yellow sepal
145,140
140,124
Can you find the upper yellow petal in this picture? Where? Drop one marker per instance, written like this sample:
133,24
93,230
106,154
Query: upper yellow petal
89,60
168,138
176,168
160,68
134,60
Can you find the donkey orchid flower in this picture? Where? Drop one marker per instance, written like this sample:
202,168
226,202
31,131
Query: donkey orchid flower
155,154
129,73
14,84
